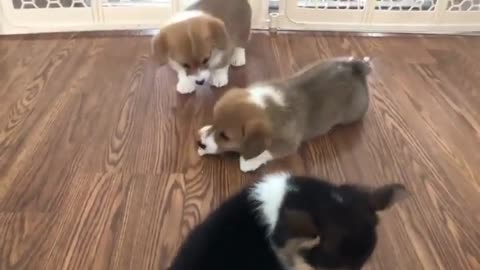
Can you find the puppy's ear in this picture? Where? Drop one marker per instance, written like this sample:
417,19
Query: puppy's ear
384,197
257,137
160,48
299,224
218,33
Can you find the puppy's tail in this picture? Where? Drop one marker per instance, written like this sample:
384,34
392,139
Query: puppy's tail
361,67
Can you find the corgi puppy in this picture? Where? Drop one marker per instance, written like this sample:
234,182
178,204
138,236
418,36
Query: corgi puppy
202,42
269,120
289,222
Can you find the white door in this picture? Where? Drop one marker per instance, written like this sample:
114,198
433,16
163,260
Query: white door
35,16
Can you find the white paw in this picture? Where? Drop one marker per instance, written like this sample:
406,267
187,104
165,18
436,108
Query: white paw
249,165
238,57
219,78
204,129
185,86
201,152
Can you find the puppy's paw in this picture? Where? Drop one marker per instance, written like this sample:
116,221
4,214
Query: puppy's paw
185,86
238,57
249,165
219,78
254,163
201,152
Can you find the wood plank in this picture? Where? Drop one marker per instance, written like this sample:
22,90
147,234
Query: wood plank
98,166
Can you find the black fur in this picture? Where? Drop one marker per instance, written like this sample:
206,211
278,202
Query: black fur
233,237
344,219
230,238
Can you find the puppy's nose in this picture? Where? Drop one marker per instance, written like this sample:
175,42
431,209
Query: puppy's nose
201,145
200,82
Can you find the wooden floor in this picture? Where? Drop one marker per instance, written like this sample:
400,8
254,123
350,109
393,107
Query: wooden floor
98,166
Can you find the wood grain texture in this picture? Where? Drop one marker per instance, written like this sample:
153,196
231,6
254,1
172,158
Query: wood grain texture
98,166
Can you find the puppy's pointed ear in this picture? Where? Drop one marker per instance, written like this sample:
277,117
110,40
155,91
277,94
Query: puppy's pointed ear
384,197
160,48
256,138
299,224
218,33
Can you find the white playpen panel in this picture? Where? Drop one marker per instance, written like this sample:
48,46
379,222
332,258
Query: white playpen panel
27,14
36,16
411,16
429,16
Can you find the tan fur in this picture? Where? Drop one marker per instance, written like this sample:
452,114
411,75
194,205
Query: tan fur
290,255
303,236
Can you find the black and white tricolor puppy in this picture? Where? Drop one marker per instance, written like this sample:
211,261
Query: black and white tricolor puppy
289,222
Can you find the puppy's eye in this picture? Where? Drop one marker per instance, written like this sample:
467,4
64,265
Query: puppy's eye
186,65
205,61
224,136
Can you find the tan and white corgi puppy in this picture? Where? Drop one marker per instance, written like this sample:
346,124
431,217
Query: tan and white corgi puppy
201,42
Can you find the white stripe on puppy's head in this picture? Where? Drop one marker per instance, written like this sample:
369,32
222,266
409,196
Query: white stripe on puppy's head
259,94
270,193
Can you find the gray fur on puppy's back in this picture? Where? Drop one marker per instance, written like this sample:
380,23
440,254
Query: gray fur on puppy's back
332,92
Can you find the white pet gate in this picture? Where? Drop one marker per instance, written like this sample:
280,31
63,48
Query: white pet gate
35,16
432,16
